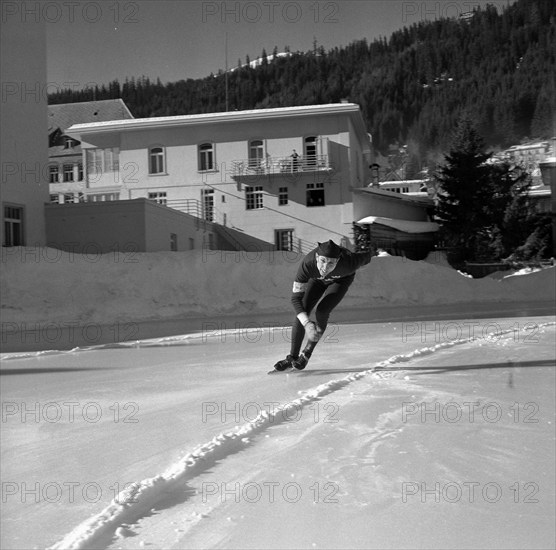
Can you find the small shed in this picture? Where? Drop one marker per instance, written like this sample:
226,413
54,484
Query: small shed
395,222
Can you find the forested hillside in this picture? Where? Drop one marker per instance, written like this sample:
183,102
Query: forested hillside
498,67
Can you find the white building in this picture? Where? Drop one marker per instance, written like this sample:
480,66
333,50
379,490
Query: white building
65,169
405,186
238,168
529,155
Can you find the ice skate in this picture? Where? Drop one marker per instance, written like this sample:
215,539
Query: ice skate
284,364
301,362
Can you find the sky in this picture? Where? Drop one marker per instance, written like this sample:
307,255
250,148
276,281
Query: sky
95,42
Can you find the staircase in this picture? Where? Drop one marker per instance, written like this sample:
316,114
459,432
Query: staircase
232,238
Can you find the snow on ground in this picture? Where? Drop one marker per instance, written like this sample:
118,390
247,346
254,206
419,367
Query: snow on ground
414,433
123,287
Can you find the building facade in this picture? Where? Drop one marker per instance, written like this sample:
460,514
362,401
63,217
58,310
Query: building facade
529,155
404,186
138,225
282,175
396,222
23,115
65,157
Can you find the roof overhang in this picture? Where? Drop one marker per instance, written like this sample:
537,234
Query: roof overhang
350,109
406,226
424,202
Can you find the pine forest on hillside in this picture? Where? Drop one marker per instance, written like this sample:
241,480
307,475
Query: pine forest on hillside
497,67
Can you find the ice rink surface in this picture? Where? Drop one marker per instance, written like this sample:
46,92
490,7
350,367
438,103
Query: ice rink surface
417,434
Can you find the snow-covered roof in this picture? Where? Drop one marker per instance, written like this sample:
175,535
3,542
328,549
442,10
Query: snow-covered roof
418,198
401,182
406,226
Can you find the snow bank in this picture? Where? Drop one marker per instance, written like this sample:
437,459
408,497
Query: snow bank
43,284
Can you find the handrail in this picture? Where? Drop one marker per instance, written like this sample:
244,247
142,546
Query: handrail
279,165
194,208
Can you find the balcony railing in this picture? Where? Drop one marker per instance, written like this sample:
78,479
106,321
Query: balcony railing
279,165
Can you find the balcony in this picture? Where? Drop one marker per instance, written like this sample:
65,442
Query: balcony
246,168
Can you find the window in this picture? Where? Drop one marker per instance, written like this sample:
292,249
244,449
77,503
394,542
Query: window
310,152
173,242
103,197
282,196
13,226
68,172
100,161
55,199
70,143
69,198
156,160
256,153
94,161
283,239
112,159
254,197
206,157
315,194
159,197
207,201
80,171
53,173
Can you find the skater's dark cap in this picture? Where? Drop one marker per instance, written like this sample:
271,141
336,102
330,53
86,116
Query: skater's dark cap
329,249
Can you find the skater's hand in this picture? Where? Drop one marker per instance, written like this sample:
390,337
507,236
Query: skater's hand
313,332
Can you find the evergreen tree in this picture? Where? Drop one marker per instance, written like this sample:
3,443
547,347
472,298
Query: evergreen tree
484,208
463,185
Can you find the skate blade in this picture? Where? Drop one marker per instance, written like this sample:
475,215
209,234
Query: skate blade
274,371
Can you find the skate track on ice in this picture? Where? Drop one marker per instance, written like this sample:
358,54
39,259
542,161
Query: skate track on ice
101,530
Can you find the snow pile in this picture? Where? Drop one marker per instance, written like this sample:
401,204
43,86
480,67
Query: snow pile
524,271
43,284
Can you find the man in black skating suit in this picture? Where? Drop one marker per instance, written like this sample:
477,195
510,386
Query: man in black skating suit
324,274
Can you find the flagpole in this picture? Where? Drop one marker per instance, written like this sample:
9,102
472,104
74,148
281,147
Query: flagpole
226,76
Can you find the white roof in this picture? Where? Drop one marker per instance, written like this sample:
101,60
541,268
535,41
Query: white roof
406,226
535,145
420,198
225,116
400,182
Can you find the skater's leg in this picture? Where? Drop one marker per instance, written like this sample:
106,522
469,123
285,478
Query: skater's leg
332,297
298,332
312,295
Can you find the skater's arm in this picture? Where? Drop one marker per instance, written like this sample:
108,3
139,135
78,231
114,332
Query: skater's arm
297,299
300,283
359,259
